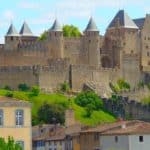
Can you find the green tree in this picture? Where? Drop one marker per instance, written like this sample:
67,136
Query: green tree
35,91
83,99
71,31
23,87
43,36
48,112
9,144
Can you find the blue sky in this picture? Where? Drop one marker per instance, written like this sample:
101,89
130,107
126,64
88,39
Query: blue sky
39,14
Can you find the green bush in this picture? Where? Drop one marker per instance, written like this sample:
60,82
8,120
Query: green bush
9,94
6,87
35,91
23,87
9,145
51,113
83,99
64,87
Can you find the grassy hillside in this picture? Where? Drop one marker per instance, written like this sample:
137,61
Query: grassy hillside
55,98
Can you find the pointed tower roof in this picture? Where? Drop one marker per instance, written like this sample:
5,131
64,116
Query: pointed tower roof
91,25
12,31
56,26
25,30
124,20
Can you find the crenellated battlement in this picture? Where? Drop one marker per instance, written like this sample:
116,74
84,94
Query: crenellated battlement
29,46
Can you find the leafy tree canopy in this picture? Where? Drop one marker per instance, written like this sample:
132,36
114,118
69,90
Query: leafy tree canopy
68,31
71,31
86,99
52,113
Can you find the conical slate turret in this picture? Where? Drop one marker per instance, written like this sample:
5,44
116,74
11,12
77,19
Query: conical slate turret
56,26
25,30
12,31
123,19
91,25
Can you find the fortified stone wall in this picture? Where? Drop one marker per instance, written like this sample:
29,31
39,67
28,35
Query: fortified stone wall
13,76
72,48
99,77
131,70
129,109
54,74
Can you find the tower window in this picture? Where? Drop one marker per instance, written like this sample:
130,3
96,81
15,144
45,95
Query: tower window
11,38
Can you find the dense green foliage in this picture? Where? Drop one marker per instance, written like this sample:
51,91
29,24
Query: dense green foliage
90,101
96,117
83,99
71,31
23,87
6,87
9,144
35,91
68,31
120,86
9,94
43,36
51,113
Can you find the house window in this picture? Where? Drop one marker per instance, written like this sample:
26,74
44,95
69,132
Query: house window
21,143
19,117
1,117
116,139
141,139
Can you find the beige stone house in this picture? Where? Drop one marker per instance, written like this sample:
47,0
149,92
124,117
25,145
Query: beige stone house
15,121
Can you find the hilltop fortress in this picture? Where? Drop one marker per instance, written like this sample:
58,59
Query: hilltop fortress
92,59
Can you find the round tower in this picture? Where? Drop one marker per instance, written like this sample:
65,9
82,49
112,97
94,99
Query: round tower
12,38
55,39
92,44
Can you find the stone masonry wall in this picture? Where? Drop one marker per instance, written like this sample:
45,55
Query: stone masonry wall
13,76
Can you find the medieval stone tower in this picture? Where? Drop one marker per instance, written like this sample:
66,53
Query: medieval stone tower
12,38
55,41
91,41
92,59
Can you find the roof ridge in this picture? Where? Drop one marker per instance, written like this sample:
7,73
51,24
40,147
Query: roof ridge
91,26
12,31
25,30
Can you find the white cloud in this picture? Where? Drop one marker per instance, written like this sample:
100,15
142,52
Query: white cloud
29,5
9,15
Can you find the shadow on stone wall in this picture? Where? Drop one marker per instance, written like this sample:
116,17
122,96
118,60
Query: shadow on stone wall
127,109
